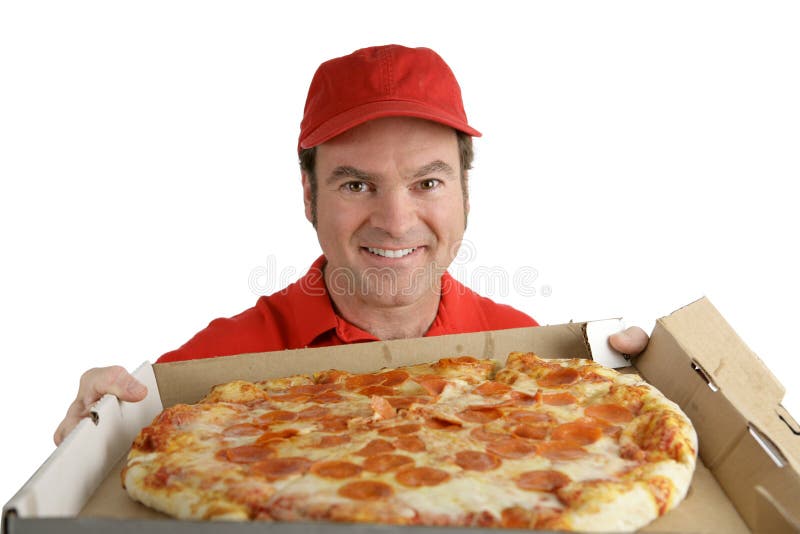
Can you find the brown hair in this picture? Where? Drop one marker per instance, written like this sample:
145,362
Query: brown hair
308,161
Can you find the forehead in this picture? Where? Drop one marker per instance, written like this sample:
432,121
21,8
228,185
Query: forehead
396,141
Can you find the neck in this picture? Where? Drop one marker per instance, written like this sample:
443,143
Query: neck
388,320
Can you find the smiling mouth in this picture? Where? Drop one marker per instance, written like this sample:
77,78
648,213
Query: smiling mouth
386,253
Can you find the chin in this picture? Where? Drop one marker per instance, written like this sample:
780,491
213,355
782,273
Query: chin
398,297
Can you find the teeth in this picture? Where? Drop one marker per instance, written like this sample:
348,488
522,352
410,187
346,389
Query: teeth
391,253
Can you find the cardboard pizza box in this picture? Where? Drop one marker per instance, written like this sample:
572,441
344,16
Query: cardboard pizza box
747,479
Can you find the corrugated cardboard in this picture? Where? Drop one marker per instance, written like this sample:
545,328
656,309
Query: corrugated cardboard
747,475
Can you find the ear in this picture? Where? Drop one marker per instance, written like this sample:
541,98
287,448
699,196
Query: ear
307,197
465,185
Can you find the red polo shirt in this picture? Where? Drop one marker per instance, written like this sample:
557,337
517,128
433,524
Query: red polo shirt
301,315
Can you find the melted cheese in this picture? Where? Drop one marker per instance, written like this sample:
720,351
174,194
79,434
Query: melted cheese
200,484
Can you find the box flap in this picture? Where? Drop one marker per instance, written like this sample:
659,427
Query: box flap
736,370
697,360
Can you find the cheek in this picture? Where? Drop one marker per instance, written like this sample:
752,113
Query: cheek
337,220
448,221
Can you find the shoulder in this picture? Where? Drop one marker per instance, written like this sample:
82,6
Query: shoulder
253,330
287,319
502,316
492,315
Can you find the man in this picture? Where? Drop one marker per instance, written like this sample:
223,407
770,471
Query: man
385,150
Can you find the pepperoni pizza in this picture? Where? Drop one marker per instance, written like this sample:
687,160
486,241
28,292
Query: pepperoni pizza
546,444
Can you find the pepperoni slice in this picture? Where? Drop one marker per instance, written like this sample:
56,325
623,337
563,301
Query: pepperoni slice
381,408
242,429
525,416
529,431
492,389
481,434
480,414
362,381
277,416
381,463
521,398
512,447
327,397
477,460
589,375
416,477
404,402
559,399
376,446
437,423
383,391
434,385
581,432
542,480
410,444
400,430
335,469
273,437
247,454
613,413
334,423
331,376
366,490
313,412
561,450
333,440
277,468
563,376
394,378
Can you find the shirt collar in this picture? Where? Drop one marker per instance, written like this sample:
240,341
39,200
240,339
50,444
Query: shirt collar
455,314
309,305
313,310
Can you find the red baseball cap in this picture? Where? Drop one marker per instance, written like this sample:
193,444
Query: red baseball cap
381,81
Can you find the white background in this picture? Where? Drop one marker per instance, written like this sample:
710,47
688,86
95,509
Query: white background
636,155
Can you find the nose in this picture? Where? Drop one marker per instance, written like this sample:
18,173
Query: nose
395,212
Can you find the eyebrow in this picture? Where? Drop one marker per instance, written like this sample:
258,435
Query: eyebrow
434,167
346,171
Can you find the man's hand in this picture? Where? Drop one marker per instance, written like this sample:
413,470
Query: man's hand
94,384
631,341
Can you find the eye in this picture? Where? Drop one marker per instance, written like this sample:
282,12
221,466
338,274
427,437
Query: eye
429,184
356,187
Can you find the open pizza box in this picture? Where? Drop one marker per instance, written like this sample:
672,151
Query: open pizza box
747,479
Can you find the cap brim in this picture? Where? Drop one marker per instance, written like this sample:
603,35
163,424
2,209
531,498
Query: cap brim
374,110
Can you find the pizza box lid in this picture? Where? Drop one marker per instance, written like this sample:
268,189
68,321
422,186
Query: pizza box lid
749,446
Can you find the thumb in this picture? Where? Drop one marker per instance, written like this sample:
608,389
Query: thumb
632,341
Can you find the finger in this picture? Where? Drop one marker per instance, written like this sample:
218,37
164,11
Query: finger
114,380
95,383
75,413
632,340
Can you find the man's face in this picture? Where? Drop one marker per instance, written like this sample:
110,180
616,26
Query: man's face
390,210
